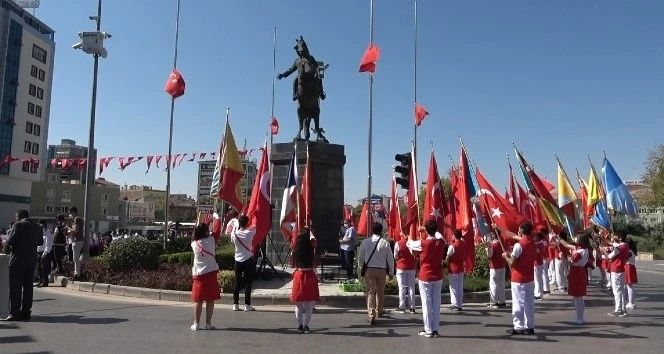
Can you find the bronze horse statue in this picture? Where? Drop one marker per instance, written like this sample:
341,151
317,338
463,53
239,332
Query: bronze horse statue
307,90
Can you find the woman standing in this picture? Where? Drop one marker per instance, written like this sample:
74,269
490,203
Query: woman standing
305,282
205,287
630,273
578,274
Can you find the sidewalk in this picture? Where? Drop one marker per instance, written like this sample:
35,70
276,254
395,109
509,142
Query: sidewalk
650,266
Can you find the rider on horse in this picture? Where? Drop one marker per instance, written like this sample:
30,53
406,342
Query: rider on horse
305,64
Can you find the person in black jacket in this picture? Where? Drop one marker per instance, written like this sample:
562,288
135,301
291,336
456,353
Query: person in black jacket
59,244
24,237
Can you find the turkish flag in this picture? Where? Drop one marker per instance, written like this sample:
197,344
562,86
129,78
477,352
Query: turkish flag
394,216
501,212
420,114
260,210
365,218
465,191
274,126
369,59
348,215
434,200
175,85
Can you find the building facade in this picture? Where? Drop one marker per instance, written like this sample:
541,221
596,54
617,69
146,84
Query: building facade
27,47
206,170
135,212
148,195
70,160
53,196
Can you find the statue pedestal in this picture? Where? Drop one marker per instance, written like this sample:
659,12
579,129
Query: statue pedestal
327,193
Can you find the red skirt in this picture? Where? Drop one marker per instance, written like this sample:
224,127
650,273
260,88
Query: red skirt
578,281
630,275
205,287
305,286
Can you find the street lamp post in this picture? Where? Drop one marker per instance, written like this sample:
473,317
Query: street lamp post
92,43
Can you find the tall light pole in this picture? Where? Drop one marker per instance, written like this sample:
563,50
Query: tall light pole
92,43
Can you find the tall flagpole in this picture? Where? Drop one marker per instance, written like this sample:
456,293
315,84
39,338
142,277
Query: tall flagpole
274,71
170,131
415,83
370,118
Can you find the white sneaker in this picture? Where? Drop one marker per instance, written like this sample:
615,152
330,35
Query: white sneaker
209,327
236,307
195,327
630,306
248,308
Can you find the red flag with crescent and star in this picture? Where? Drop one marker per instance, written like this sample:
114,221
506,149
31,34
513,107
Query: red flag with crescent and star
501,212
260,210
175,85
369,59
434,200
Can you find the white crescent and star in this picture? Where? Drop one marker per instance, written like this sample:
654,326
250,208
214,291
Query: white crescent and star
496,212
265,181
486,191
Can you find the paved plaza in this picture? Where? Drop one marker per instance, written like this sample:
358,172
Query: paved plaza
72,322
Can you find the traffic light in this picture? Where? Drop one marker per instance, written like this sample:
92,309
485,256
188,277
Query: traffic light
404,169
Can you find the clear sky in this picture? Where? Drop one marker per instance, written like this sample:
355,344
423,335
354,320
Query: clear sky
567,76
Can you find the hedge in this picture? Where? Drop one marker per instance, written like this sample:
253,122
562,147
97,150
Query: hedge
225,258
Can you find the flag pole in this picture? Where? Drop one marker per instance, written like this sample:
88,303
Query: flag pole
170,130
274,71
415,79
371,26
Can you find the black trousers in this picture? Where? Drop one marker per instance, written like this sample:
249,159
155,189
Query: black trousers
20,287
46,260
58,254
244,277
40,271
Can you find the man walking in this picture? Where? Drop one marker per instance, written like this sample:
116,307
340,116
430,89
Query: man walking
23,239
376,261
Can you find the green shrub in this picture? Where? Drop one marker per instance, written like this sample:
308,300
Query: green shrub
131,253
392,287
225,258
475,284
178,245
226,280
481,269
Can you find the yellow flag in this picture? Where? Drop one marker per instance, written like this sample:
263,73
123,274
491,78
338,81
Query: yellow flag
566,193
594,191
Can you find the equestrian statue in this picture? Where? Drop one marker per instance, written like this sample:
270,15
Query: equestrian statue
307,90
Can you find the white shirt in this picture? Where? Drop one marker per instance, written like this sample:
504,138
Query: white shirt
204,261
242,240
382,257
48,241
417,245
350,234
584,257
517,250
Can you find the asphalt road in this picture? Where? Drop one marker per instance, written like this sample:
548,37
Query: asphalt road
69,322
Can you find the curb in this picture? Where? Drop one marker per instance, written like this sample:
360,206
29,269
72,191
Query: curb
349,300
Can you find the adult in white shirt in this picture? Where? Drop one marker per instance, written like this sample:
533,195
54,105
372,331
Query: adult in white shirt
347,245
245,263
375,255
44,258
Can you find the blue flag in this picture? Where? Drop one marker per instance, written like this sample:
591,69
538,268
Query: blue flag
601,217
618,197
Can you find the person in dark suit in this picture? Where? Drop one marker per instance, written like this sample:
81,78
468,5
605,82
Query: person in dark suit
22,241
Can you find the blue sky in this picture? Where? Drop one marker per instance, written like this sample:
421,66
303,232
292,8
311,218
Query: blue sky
572,77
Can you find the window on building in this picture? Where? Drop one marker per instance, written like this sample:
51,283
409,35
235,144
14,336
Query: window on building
32,90
37,130
34,166
38,111
50,193
52,178
42,75
66,196
49,209
35,149
40,93
64,209
27,147
29,127
34,71
39,53
104,197
31,108
104,211
26,166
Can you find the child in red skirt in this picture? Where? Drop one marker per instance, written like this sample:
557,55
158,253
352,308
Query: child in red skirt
305,282
578,275
205,287
630,273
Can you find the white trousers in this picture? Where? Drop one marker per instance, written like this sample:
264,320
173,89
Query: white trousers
608,279
497,285
561,274
456,289
430,295
303,311
523,305
630,294
552,271
538,280
580,307
619,292
545,275
406,281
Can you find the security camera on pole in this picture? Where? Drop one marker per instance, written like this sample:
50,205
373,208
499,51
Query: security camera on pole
92,43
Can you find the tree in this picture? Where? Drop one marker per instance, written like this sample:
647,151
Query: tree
654,175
